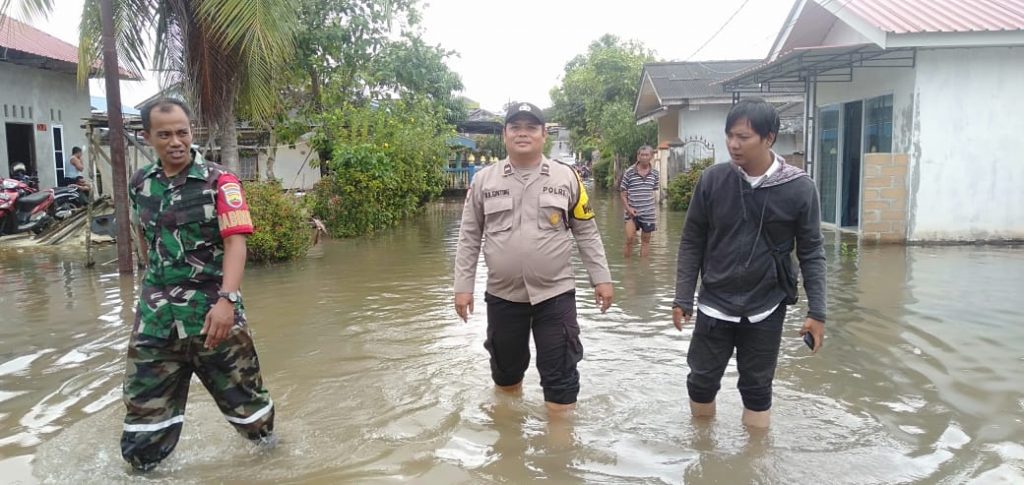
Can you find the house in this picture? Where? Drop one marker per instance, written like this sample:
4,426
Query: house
915,114
690,111
41,102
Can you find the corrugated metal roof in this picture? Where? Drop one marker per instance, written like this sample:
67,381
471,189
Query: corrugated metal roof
924,16
22,37
693,80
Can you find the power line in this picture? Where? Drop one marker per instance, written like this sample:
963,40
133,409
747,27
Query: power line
720,29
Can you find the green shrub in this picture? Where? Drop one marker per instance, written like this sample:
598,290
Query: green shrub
282,225
386,163
680,188
602,172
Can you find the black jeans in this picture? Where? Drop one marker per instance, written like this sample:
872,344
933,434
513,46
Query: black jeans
757,353
556,335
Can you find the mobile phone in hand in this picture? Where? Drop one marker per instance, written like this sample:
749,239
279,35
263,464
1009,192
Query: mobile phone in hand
809,340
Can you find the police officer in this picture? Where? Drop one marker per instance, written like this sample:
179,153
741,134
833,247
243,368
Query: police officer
527,206
192,222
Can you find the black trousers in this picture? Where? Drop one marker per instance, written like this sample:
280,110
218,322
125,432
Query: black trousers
757,353
556,334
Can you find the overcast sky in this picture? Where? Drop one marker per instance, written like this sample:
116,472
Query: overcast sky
517,49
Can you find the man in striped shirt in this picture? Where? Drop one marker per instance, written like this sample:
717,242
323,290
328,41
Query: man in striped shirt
640,189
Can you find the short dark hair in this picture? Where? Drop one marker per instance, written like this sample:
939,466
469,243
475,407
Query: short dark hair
761,115
163,105
76,150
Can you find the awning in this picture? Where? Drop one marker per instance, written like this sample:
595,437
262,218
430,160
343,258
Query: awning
790,71
462,141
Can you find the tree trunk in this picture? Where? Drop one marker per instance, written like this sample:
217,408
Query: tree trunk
271,156
229,147
318,108
117,155
229,142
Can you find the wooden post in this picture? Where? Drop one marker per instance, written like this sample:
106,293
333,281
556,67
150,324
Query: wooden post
116,126
90,169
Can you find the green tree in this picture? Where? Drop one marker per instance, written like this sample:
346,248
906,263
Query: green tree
596,97
225,53
354,53
412,70
386,163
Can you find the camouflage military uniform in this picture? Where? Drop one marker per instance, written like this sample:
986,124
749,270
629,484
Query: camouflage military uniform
184,221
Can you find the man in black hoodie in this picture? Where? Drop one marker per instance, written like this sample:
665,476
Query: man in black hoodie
740,230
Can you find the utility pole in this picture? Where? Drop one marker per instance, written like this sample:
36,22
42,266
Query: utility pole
116,127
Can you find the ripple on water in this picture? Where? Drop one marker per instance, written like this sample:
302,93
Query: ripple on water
375,380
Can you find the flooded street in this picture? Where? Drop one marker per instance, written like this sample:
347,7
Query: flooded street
375,380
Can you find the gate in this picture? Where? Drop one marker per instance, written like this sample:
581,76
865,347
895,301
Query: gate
682,155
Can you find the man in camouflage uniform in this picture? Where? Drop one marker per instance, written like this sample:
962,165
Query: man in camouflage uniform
192,221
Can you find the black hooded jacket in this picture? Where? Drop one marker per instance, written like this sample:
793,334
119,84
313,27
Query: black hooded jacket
724,241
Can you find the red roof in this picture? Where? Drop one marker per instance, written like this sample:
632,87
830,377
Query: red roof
921,16
22,37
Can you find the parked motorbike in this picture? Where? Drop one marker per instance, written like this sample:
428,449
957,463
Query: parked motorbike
22,208
66,200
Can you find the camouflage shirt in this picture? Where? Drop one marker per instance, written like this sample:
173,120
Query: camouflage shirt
184,221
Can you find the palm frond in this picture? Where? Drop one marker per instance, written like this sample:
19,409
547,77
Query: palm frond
30,9
133,20
260,34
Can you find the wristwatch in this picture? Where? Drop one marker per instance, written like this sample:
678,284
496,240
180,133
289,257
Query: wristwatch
231,296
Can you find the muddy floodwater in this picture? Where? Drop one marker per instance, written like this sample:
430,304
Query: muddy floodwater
375,380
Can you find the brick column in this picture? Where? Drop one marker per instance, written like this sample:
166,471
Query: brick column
884,205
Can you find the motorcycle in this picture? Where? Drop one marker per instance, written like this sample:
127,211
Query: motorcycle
22,208
66,200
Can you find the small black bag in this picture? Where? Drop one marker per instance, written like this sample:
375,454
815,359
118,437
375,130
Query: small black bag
783,272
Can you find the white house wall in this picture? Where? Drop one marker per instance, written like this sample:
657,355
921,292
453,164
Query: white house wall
788,143
292,168
873,82
43,90
707,121
967,169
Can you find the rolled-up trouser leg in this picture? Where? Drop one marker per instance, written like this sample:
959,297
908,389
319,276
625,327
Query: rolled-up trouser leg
155,392
231,373
710,350
757,353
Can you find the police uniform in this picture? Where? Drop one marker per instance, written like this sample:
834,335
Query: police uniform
529,226
184,220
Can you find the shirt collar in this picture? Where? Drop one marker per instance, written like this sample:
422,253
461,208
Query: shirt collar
774,167
197,168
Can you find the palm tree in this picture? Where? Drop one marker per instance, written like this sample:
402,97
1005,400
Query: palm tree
225,53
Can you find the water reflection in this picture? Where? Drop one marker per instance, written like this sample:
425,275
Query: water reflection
376,381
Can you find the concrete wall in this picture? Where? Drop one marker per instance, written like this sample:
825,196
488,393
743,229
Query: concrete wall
707,121
788,143
42,91
291,167
966,167
874,82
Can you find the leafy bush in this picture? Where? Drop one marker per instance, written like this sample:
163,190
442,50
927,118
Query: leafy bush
602,170
387,162
282,224
680,188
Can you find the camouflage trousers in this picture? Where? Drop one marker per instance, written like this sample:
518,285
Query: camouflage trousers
156,389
